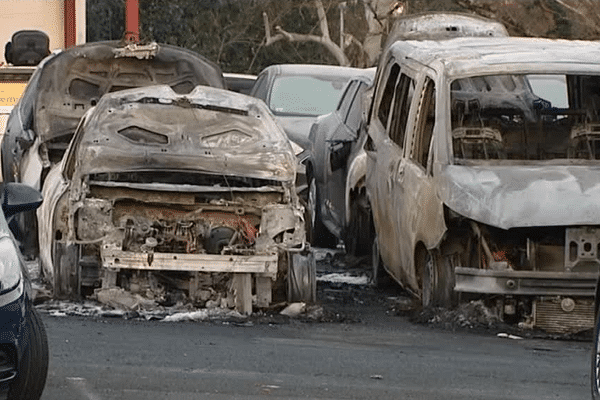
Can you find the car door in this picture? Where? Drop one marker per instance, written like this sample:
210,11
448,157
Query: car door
399,127
384,149
339,146
415,196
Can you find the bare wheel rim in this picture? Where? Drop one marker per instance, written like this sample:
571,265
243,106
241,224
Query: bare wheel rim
375,262
428,280
312,201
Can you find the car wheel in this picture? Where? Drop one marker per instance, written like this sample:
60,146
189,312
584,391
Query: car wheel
359,235
595,373
33,368
66,270
318,233
302,278
437,280
379,274
429,280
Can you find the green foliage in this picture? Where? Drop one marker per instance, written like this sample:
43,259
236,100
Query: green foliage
105,20
232,33
562,28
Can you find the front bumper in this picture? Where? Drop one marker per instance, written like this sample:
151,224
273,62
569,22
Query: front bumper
527,283
12,320
265,265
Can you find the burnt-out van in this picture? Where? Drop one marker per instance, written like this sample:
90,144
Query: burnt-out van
483,161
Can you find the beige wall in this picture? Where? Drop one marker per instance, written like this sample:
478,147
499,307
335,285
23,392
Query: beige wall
45,15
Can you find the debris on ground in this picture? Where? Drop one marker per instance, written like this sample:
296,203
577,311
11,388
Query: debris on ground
203,315
119,298
344,278
350,299
294,309
509,336
474,314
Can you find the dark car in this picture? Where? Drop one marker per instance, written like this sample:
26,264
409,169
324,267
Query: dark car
67,84
23,341
298,93
335,168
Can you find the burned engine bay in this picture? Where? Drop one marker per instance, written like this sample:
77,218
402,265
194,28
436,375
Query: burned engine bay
176,239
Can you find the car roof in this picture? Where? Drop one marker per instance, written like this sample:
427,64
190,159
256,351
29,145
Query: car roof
443,25
463,56
312,69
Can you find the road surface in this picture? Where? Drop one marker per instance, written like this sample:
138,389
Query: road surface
386,358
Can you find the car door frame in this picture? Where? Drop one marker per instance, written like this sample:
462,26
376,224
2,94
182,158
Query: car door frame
334,181
421,224
383,154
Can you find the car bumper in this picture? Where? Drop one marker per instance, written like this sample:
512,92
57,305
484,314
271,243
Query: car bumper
528,283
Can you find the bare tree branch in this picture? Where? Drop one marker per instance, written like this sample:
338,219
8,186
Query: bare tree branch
323,25
324,39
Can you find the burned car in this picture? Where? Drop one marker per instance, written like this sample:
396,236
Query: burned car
160,192
67,84
482,173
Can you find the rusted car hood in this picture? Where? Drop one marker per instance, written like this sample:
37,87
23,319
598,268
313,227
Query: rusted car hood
524,196
73,81
217,140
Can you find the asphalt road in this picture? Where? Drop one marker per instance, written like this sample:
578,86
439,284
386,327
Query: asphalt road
386,358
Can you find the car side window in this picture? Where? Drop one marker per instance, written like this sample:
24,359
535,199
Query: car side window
403,97
260,88
385,103
27,103
355,112
425,122
346,99
72,153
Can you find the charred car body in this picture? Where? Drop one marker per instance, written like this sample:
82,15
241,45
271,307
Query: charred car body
160,191
482,173
67,84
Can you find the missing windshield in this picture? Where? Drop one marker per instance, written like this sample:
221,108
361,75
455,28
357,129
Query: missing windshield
526,117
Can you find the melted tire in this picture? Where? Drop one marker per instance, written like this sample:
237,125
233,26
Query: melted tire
318,234
302,278
359,235
33,368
